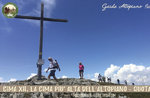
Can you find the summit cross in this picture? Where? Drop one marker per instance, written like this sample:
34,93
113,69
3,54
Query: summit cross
40,61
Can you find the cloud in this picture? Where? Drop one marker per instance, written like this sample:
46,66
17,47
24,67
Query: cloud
1,79
45,69
35,10
111,69
88,76
49,5
138,74
64,77
20,4
32,75
93,77
12,79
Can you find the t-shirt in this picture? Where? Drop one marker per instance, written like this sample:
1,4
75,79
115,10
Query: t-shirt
81,67
52,64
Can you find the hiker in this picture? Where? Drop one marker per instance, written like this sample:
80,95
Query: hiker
109,79
104,79
53,67
81,70
125,81
100,78
118,81
133,84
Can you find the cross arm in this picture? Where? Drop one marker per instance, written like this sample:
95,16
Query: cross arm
39,18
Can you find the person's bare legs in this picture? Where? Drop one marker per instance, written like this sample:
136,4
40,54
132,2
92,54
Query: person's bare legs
80,75
49,77
55,78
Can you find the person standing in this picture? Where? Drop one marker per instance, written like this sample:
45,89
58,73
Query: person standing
133,84
81,70
109,79
53,67
100,78
125,81
104,79
118,81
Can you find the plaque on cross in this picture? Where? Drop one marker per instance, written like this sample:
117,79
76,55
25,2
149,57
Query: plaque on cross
40,61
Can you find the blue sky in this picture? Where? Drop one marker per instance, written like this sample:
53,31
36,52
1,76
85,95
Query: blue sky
96,38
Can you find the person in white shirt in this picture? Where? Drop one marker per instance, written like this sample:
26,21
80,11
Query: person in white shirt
53,67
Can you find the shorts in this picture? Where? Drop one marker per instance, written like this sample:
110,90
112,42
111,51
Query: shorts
52,72
81,71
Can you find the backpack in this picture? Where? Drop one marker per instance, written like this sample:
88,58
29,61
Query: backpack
55,65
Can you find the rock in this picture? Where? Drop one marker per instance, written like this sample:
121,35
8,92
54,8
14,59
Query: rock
35,78
67,81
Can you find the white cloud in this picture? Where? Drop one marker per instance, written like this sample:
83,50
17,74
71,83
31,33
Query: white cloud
137,74
12,79
49,5
88,76
20,4
1,79
111,70
95,78
64,76
32,75
45,69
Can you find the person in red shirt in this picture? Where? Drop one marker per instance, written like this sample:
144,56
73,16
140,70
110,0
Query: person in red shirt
81,70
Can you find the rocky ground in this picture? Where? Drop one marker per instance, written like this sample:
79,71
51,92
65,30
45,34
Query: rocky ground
67,81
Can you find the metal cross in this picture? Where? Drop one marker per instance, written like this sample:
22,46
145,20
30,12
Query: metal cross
42,18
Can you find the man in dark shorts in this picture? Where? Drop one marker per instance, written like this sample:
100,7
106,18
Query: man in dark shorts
53,67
